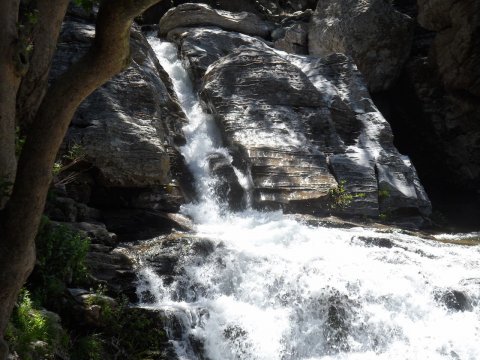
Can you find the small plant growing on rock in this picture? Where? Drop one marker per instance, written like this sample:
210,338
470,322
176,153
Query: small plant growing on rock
340,198
74,156
383,193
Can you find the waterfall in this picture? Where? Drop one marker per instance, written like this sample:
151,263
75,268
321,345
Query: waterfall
269,287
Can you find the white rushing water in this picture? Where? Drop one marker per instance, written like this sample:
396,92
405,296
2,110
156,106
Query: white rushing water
274,288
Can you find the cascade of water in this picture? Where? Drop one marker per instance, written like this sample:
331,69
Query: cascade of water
272,288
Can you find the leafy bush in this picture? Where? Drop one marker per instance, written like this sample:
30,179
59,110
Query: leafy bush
88,347
32,333
61,254
130,333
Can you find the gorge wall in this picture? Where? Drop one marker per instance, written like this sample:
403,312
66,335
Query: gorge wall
298,126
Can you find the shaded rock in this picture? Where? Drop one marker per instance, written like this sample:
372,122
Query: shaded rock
292,38
372,241
202,14
455,49
127,126
65,209
113,268
132,225
372,32
163,264
399,186
454,300
227,186
97,232
435,110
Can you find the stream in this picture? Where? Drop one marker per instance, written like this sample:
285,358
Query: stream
271,287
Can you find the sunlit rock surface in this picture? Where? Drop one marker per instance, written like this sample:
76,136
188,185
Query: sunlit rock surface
300,124
372,32
202,14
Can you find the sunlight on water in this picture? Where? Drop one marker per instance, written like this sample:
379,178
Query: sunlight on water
277,289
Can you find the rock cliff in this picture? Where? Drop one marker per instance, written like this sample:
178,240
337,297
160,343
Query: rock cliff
298,125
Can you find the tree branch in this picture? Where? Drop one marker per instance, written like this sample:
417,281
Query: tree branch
34,85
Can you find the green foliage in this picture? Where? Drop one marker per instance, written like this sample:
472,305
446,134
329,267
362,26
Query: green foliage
61,254
88,347
383,193
74,155
383,216
32,333
339,198
129,332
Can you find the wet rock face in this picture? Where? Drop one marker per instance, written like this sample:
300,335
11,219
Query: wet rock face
454,300
269,125
372,32
202,46
300,124
227,187
201,14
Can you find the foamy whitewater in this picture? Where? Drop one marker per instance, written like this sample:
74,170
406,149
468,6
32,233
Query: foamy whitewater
274,288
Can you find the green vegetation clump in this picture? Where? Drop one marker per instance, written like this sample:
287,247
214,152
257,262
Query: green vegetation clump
339,198
130,333
121,332
33,333
61,254
383,193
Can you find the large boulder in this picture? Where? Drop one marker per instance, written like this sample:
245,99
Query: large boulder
202,46
372,32
123,126
202,14
299,125
269,126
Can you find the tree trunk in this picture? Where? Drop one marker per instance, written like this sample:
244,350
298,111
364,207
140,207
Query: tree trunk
34,84
109,54
9,82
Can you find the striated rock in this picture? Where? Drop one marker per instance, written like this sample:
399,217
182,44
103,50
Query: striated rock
372,32
127,127
318,126
201,47
268,127
202,14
